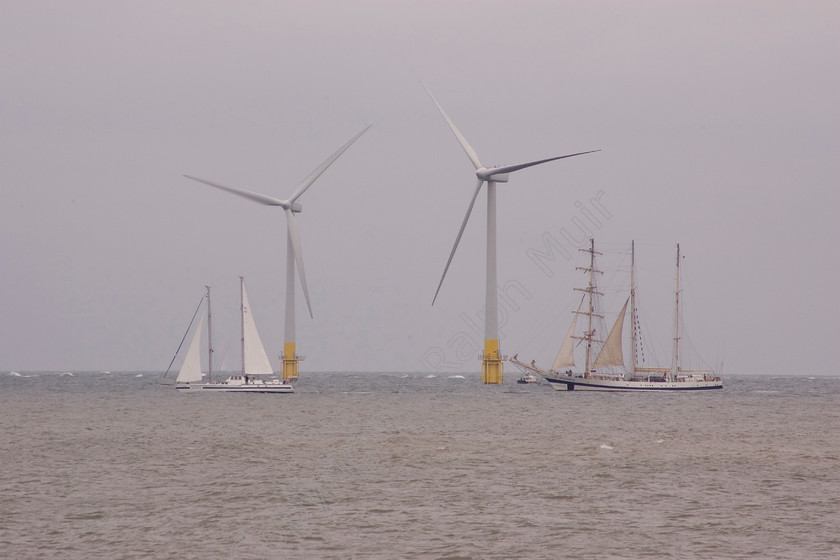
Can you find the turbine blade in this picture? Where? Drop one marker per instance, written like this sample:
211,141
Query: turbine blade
256,197
294,235
323,167
464,144
518,166
458,239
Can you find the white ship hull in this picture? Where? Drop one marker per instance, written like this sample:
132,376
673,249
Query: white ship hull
591,384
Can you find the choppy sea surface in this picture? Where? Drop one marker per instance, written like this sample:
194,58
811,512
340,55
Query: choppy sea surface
390,465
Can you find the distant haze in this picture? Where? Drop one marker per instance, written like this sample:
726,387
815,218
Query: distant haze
718,123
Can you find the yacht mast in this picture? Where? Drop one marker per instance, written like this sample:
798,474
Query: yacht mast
633,303
242,318
589,335
209,338
676,366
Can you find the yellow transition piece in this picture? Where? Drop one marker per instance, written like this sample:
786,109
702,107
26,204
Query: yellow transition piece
492,368
290,361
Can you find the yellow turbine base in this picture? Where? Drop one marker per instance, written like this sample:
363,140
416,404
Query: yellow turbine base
290,362
492,367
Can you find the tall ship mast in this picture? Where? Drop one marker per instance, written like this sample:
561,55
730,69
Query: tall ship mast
588,335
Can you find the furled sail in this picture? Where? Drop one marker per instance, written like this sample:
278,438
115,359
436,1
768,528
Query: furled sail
254,359
566,355
610,354
191,368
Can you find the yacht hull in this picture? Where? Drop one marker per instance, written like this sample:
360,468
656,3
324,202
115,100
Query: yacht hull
231,388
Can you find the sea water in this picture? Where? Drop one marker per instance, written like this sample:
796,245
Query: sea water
390,465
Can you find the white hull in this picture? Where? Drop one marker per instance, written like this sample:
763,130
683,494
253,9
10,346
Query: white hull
238,385
570,383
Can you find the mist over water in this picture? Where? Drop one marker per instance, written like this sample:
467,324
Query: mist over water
396,465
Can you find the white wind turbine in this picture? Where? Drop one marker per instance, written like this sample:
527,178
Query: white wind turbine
294,253
492,370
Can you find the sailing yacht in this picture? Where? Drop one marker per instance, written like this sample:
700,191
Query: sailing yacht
256,368
635,378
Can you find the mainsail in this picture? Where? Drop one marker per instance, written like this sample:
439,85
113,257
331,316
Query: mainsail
254,359
610,354
191,368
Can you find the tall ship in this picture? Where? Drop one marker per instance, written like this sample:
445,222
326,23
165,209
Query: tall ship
256,374
602,358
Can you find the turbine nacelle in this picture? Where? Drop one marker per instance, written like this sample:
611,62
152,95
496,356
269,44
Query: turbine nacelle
295,207
492,174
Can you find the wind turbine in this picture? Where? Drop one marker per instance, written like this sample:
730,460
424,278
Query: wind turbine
492,368
294,253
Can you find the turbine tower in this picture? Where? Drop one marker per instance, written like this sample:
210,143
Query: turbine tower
294,253
492,368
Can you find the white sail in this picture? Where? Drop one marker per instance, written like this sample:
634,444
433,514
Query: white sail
610,354
191,368
254,359
566,355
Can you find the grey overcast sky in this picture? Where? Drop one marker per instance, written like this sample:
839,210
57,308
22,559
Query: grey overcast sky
718,120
